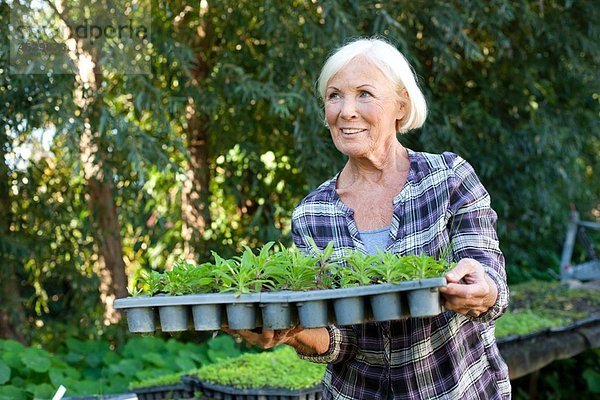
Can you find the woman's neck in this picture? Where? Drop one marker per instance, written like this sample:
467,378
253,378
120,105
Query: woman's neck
376,169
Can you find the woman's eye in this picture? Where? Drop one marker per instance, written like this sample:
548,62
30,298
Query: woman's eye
364,93
333,95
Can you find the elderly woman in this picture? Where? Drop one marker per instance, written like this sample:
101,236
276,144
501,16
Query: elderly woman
406,202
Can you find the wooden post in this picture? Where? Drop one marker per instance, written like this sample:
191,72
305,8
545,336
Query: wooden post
565,260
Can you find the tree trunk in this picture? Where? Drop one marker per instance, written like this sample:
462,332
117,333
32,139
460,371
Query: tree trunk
100,196
12,312
195,194
195,191
101,202
111,267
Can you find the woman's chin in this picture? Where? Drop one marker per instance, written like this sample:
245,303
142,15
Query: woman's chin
353,151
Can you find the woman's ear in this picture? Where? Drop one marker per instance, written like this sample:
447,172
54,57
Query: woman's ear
403,107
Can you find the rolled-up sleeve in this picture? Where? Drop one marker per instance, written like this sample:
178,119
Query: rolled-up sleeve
342,346
473,231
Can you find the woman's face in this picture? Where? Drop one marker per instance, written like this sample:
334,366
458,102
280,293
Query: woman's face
361,109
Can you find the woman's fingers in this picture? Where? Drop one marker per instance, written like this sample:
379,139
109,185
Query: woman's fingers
266,338
469,291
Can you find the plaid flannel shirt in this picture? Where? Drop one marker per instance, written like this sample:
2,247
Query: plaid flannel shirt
450,356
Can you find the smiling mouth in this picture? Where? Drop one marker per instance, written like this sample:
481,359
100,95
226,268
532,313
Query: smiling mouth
352,131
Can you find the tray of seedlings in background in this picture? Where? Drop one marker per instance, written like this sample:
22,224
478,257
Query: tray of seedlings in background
279,289
273,375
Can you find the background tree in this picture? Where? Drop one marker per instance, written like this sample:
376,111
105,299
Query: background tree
215,147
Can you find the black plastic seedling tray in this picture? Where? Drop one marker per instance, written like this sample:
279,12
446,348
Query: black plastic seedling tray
281,310
219,392
170,392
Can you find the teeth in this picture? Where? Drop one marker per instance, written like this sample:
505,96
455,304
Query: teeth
350,131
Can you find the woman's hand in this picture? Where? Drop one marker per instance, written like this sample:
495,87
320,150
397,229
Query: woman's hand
470,290
265,338
306,341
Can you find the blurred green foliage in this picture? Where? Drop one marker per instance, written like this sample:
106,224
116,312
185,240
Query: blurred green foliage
583,372
92,367
512,87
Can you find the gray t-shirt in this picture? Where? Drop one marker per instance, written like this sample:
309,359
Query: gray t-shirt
375,238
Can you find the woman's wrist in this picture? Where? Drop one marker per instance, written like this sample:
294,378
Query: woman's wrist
492,296
310,342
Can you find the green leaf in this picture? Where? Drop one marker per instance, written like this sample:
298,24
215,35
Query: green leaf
110,358
137,347
193,351
74,357
155,358
203,356
88,387
92,374
221,347
592,379
59,375
173,346
126,367
71,385
13,345
185,364
10,392
13,359
36,359
118,384
4,372
93,359
41,391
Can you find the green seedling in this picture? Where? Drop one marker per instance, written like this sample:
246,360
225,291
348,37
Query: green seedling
149,283
359,270
200,278
289,269
186,278
324,278
424,266
391,268
293,270
245,273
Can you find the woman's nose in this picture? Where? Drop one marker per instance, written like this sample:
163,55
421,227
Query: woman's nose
348,110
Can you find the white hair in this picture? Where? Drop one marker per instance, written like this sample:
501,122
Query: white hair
393,65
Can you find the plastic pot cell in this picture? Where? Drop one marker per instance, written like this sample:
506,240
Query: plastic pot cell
387,307
313,314
349,310
276,315
424,302
241,315
207,317
174,318
141,320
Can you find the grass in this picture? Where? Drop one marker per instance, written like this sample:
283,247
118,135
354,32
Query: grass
537,305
